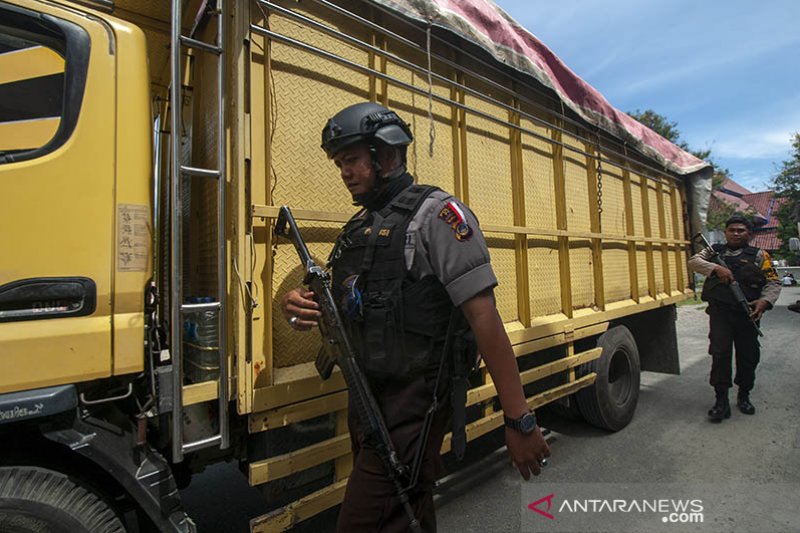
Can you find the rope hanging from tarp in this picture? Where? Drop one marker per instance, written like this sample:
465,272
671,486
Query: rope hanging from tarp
432,128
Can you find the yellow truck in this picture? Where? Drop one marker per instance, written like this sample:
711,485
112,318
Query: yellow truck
145,149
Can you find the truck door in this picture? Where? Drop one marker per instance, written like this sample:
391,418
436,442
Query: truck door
57,100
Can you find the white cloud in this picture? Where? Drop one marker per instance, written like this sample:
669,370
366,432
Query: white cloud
724,71
702,62
755,144
629,47
753,181
765,133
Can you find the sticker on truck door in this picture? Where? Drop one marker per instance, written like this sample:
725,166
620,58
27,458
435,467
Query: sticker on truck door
133,237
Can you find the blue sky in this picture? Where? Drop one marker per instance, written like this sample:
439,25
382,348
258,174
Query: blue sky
728,72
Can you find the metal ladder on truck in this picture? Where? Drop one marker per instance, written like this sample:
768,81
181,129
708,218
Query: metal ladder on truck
178,307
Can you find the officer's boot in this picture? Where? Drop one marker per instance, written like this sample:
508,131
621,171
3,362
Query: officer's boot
743,403
721,409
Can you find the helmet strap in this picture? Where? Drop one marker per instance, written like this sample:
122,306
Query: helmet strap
376,164
382,182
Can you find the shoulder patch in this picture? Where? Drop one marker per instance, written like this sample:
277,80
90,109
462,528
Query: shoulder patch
452,215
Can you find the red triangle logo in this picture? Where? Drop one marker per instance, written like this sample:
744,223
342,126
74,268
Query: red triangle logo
549,500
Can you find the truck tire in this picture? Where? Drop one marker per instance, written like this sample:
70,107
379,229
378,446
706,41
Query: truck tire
611,401
35,499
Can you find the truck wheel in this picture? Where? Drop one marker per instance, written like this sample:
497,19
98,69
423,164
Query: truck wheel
611,401
35,499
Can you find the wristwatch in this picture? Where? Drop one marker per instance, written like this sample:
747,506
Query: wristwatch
524,424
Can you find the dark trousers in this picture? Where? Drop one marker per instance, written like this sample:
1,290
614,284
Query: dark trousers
731,328
370,501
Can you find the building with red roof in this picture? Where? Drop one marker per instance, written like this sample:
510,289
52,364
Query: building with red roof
763,206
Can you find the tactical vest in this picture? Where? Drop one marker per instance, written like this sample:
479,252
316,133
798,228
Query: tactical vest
746,272
396,323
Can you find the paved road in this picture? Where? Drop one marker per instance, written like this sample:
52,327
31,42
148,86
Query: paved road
671,441
668,442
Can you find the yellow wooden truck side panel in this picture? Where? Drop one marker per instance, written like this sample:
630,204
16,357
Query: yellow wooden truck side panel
589,258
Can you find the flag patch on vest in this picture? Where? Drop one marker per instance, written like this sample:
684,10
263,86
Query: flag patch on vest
452,215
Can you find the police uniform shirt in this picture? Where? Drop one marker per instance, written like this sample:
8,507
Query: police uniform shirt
443,239
702,263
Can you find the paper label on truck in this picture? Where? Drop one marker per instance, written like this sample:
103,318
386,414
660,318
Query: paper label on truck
133,237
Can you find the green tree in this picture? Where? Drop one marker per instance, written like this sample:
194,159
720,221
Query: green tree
787,185
669,130
717,217
787,182
659,124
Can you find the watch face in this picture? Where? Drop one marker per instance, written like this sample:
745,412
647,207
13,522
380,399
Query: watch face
528,423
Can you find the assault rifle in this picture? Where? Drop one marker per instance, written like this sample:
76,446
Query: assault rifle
337,349
738,294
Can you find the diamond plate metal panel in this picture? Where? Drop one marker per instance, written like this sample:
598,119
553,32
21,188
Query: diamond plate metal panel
673,269
543,267
581,274
308,91
638,223
668,213
577,188
641,269
636,204
537,164
489,164
658,269
685,269
290,347
413,108
655,225
504,264
613,215
616,276
202,274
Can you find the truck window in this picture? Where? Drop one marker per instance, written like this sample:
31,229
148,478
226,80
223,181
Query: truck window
43,64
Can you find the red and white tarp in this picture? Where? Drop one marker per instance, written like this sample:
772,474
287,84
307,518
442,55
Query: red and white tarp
482,22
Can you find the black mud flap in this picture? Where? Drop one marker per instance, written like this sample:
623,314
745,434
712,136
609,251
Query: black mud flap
142,471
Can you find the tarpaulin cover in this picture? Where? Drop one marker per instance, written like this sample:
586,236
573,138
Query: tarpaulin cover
483,23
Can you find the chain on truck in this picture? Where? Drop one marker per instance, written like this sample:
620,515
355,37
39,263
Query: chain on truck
145,147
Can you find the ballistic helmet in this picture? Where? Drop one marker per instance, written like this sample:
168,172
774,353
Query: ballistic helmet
362,123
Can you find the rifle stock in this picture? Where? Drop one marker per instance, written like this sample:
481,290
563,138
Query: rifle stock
337,349
735,288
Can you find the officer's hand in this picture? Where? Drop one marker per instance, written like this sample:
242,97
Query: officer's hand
759,306
724,275
300,303
527,451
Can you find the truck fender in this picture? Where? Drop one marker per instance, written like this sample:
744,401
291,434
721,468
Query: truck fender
142,471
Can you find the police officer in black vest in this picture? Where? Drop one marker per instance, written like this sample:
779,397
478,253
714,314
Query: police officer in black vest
407,268
752,268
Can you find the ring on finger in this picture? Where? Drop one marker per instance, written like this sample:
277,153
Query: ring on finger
293,321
